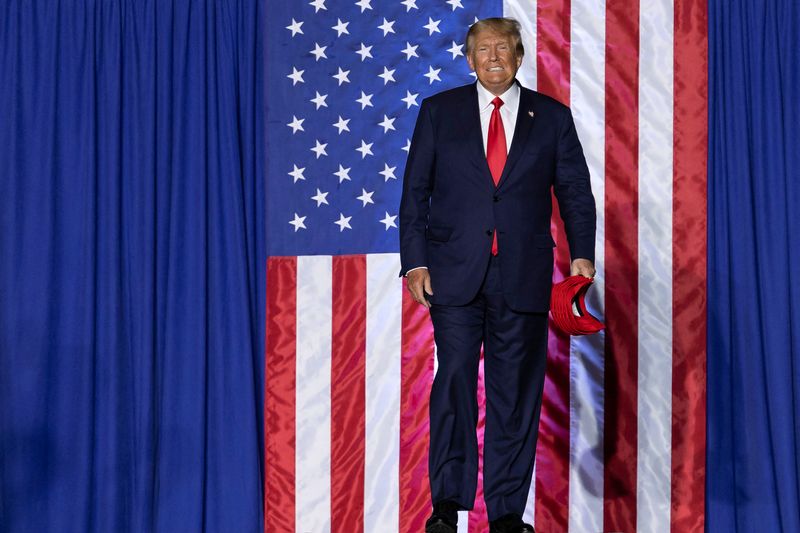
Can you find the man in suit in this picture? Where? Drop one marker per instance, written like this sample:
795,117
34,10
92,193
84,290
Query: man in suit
476,248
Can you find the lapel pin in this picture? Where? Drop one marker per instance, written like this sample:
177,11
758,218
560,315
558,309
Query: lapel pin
530,113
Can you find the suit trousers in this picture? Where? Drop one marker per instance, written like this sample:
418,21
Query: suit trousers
515,353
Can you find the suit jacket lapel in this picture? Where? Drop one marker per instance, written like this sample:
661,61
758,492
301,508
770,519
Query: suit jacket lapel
473,127
521,131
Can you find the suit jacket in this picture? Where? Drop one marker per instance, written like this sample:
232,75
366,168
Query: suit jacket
450,205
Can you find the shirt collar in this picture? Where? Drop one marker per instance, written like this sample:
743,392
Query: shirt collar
510,98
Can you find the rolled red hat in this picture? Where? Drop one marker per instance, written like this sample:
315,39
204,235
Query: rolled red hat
567,297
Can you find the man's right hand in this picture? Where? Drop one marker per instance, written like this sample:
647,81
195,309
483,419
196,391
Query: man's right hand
419,283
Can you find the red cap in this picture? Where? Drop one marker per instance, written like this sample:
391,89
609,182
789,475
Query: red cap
565,293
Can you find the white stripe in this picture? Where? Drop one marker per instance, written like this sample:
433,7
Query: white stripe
587,95
383,358
435,360
525,12
529,516
655,268
463,520
313,408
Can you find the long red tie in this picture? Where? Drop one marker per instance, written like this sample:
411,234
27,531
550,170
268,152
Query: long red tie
496,151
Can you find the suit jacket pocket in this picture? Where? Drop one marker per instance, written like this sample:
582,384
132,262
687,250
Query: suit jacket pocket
438,233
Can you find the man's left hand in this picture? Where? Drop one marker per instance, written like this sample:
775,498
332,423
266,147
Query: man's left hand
582,267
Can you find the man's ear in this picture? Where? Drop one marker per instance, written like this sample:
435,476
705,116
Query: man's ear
469,62
519,61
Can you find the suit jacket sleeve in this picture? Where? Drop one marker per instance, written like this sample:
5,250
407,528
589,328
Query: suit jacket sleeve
417,187
573,191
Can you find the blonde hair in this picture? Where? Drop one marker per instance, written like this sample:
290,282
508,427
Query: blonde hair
503,25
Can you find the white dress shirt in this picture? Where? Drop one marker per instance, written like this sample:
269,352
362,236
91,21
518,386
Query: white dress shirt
508,113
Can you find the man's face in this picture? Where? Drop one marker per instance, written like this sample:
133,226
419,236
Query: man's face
494,60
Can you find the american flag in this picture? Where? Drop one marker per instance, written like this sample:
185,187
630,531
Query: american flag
350,357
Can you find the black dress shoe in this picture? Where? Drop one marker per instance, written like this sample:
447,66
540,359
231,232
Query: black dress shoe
510,523
444,518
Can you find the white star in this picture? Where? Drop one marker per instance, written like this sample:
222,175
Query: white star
409,4
298,222
388,75
343,173
388,173
456,50
432,26
319,148
388,123
389,221
341,125
341,27
320,198
410,50
342,76
364,4
297,173
318,4
364,52
366,197
294,27
433,74
365,149
410,99
365,100
319,100
296,76
455,4
387,26
343,222
318,52
296,124
407,147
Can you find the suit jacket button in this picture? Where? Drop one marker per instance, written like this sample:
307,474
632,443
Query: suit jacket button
496,198
489,232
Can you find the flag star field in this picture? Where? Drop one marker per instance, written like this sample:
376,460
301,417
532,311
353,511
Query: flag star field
341,113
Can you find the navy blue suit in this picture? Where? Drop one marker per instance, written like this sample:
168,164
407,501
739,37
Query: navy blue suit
450,204
449,208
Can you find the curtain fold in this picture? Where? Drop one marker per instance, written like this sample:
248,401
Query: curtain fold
131,266
753,477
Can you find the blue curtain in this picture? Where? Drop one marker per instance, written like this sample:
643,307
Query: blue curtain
131,265
753,478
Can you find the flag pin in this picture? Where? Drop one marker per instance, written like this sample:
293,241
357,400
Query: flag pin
530,113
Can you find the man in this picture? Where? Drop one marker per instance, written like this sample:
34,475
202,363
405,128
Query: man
476,248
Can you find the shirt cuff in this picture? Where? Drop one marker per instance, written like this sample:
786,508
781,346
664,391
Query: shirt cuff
412,269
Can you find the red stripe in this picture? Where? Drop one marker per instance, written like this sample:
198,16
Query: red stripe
416,379
690,153
478,517
621,264
348,390
553,48
552,450
279,395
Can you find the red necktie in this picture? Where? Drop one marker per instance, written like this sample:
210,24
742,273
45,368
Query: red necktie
496,151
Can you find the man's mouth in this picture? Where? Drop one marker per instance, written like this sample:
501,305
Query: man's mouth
495,69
